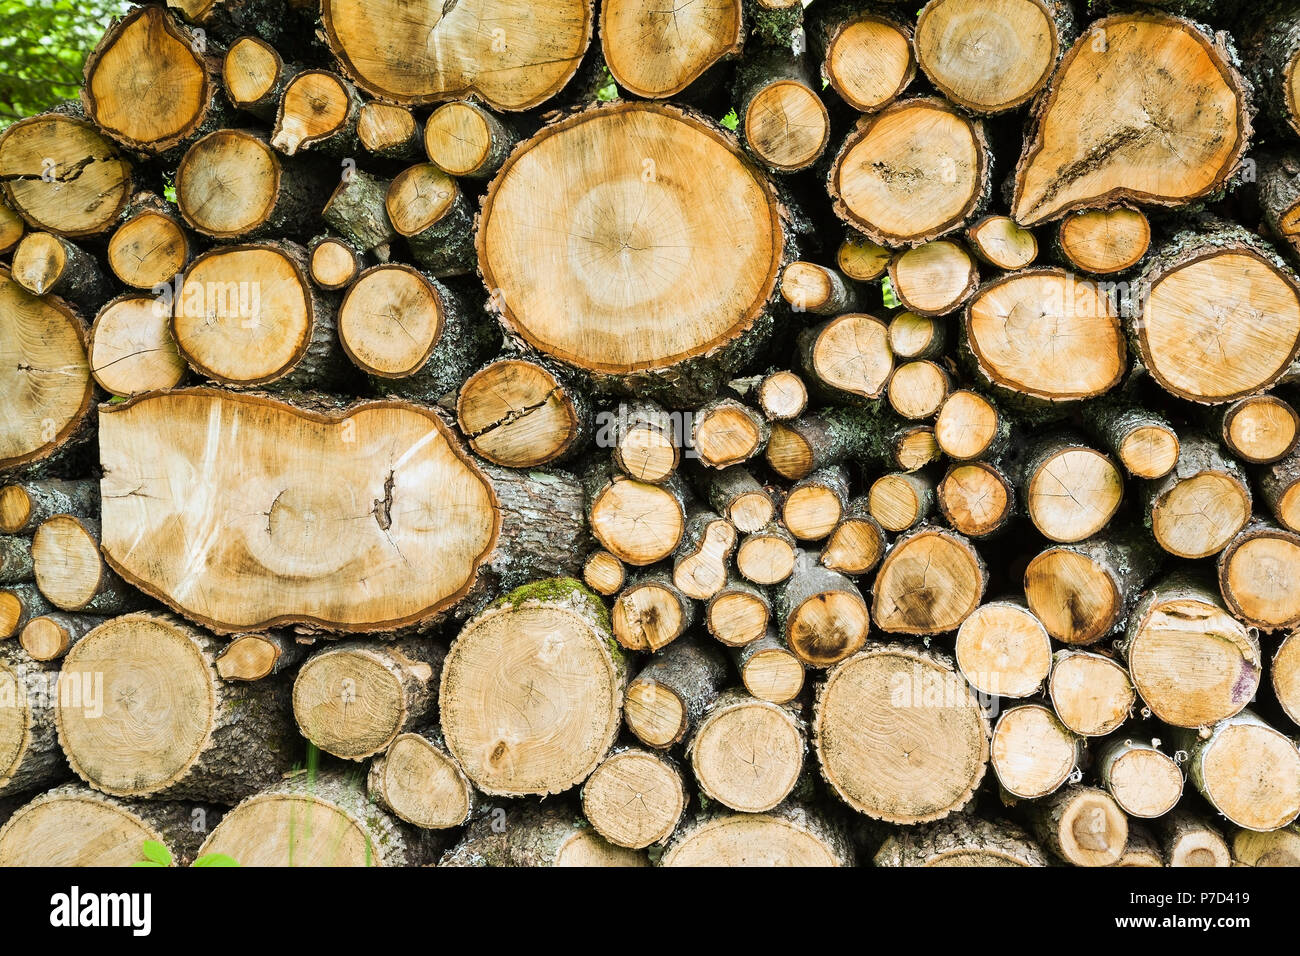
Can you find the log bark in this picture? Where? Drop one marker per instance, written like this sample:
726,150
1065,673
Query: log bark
231,185
20,604
45,264
26,505
781,120
1142,439
142,712
666,699
465,139
410,334
820,613
735,494
963,840
808,287
30,751
428,209
356,210
530,835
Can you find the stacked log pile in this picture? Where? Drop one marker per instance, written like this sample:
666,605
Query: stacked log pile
503,433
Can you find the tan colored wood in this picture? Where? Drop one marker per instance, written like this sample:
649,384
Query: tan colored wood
1003,650
421,783
532,692
1032,752
869,61
782,396
604,573
747,754
879,188
1001,242
1102,88
131,348
1102,241
862,260
930,581
1091,692
1083,826
934,278
899,735
656,52
635,798
382,46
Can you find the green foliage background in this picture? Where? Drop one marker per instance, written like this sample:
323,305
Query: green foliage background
43,44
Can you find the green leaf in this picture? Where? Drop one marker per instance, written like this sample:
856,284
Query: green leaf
887,289
169,192
731,121
156,853
216,859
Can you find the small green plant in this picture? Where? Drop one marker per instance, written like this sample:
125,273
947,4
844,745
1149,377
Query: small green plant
887,290
731,121
155,854
608,91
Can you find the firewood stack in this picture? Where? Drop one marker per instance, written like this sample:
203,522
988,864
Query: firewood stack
751,433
